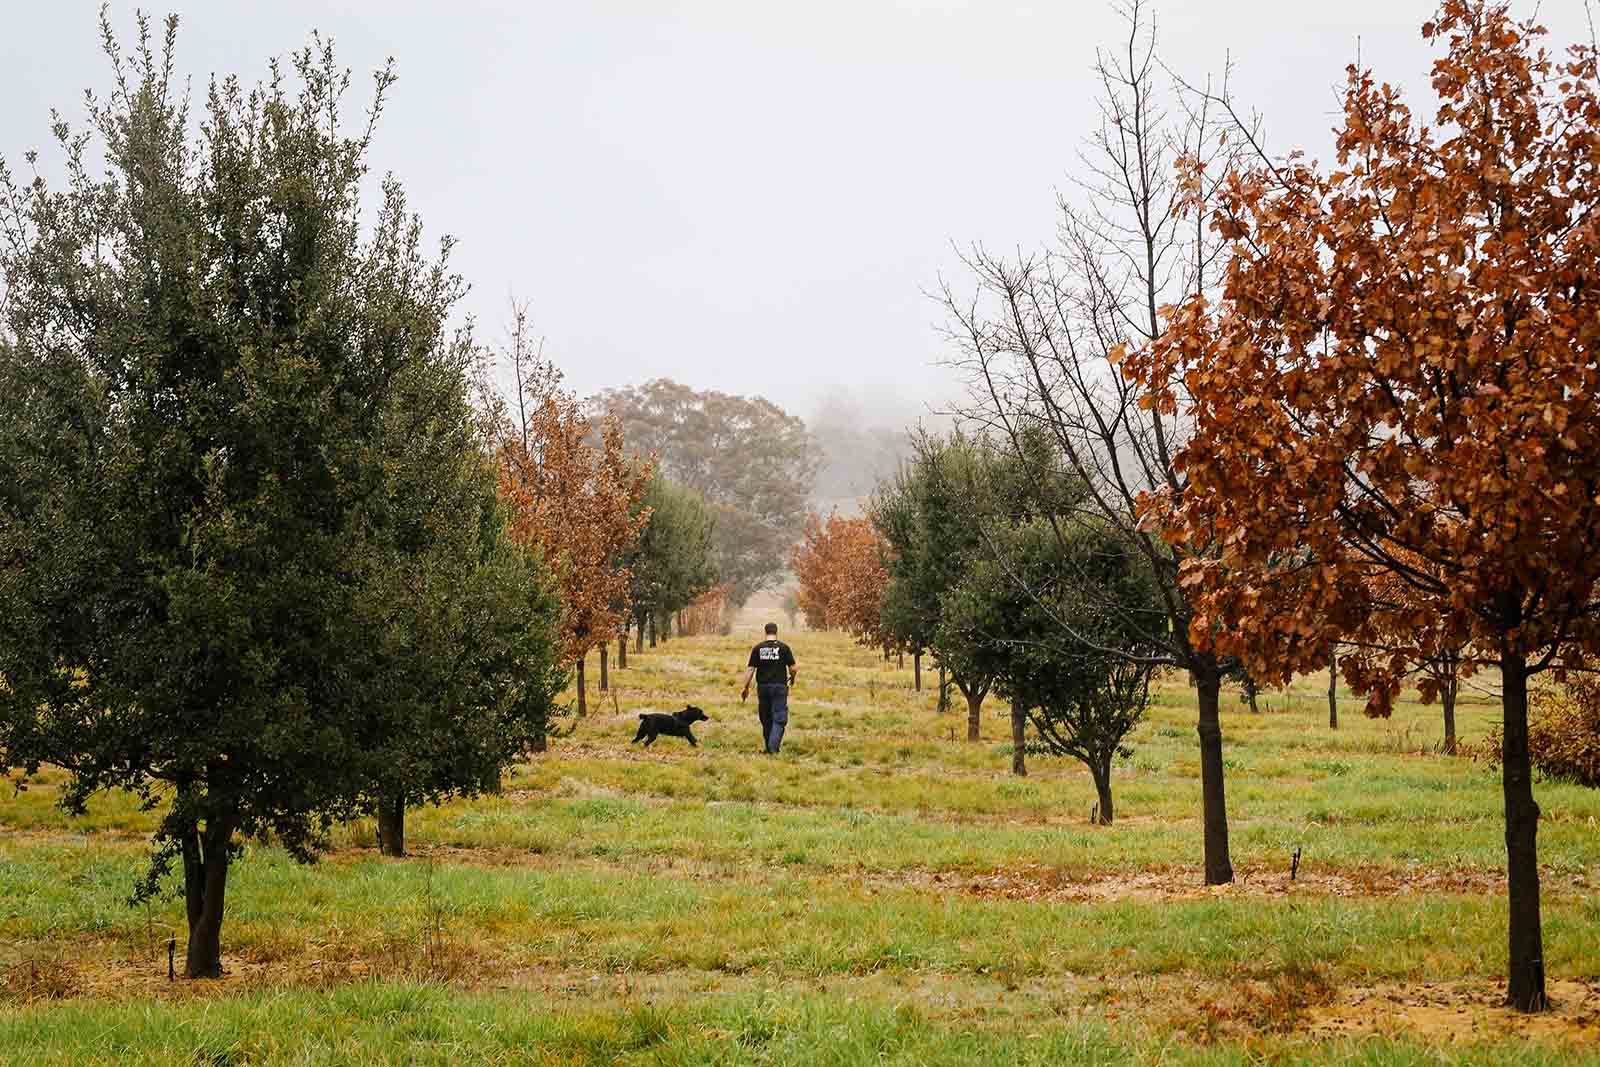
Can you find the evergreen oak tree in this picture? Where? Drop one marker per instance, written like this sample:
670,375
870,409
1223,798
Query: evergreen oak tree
252,565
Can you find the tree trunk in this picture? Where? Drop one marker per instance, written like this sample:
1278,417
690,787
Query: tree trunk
680,632
205,880
916,669
1526,991
1219,867
1019,742
605,674
944,691
1333,689
652,625
583,696
1447,697
392,826
902,664
622,651
886,653
1250,695
1102,788
974,710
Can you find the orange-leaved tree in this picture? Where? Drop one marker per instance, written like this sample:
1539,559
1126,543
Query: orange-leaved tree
839,564
1400,379
577,501
1447,659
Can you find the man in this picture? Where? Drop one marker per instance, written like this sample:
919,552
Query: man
772,667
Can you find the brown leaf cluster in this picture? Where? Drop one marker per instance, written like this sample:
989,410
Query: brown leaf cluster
1563,732
839,564
577,503
706,613
572,489
1396,399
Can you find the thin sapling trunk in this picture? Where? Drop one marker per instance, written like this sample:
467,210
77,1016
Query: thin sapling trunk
1527,991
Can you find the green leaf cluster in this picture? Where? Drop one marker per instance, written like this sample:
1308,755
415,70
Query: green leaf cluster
675,558
252,563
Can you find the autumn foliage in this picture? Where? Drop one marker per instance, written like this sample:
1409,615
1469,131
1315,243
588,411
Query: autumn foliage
839,563
706,613
1563,732
574,500
1399,379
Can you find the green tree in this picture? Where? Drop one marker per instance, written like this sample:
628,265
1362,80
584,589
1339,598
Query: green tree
933,516
754,465
1083,695
242,499
674,559
465,656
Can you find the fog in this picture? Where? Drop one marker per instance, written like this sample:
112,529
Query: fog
754,198
863,437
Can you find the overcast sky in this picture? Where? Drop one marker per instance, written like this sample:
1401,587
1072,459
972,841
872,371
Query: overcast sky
741,195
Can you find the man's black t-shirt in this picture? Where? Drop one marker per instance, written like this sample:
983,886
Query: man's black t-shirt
772,660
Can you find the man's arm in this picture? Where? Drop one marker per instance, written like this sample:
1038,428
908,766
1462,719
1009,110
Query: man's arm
748,675
794,671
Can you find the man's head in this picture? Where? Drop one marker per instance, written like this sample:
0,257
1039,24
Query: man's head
772,629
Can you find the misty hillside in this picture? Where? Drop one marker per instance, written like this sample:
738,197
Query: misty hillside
862,443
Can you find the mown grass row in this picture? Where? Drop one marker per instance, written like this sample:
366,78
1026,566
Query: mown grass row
784,921
389,1023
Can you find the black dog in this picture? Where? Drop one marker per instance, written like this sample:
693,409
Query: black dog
653,724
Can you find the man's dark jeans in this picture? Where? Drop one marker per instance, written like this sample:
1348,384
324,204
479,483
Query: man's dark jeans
773,702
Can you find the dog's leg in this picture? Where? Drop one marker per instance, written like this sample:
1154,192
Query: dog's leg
649,740
639,734
690,735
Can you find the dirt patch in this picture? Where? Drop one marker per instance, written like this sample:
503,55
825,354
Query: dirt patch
621,753
31,980
1460,1012
105,970
1042,883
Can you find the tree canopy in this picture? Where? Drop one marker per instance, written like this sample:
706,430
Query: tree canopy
752,463
1399,382
1011,617
242,496
929,520
839,566
573,491
674,559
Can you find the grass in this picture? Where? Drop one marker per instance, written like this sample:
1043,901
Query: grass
425,1024
884,891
